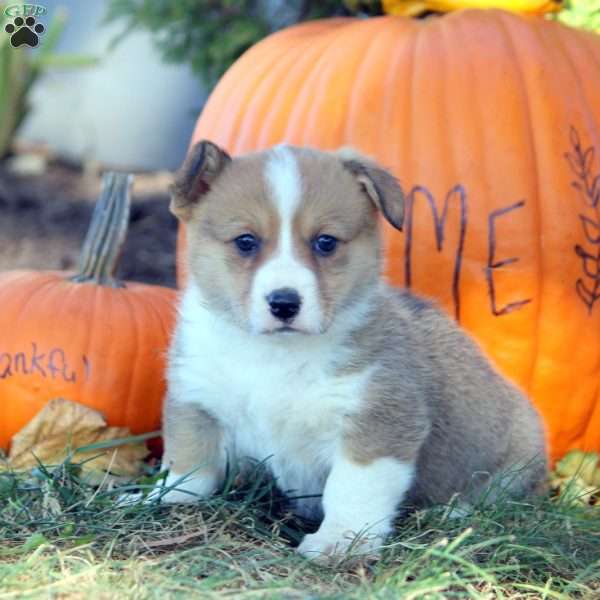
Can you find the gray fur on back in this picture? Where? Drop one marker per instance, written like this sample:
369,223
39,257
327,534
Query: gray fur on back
437,400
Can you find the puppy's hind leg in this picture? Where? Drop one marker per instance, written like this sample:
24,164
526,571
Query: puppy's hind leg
527,456
194,453
523,471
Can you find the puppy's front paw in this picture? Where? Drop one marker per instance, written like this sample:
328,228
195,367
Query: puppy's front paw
326,546
179,495
129,498
175,489
157,494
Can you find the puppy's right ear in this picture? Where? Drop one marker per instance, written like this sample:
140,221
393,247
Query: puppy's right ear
201,167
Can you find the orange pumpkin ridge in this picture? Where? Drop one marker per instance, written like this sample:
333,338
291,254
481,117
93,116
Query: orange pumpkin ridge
472,109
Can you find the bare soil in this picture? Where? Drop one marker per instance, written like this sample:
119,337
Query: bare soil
44,218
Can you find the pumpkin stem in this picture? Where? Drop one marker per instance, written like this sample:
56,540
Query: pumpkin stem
104,241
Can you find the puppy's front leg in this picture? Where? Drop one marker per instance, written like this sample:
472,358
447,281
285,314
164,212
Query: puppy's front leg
194,452
360,502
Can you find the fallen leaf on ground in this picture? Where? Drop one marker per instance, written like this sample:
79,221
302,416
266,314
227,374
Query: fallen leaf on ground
61,428
583,464
576,479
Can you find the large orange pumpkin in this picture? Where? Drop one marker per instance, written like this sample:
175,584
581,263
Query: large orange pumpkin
86,336
491,122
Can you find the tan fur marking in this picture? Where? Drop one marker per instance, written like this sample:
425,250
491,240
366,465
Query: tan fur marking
238,203
334,204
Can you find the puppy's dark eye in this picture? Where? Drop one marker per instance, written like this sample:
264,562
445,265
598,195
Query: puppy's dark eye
324,245
247,244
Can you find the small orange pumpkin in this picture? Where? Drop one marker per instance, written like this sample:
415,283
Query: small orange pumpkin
87,337
491,121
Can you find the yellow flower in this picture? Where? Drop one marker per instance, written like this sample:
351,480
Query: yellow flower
415,7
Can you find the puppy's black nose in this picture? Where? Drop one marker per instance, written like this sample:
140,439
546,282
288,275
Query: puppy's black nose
284,303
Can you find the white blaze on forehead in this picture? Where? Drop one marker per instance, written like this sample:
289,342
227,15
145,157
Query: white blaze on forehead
284,269
284,182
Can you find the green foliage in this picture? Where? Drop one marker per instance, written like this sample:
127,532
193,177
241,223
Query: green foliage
584,14
211,34
207,35
19,70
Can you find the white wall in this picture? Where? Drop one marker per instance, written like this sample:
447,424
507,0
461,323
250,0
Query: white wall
131,111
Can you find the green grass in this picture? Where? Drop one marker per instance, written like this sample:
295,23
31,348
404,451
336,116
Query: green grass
61,538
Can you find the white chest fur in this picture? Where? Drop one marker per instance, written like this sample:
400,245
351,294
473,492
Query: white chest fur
278,398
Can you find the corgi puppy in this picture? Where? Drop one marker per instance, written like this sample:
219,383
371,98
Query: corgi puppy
291,349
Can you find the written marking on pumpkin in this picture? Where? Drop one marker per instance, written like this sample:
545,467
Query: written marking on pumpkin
458,194
50,364
587,183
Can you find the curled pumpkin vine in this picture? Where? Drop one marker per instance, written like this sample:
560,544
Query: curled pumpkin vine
581,161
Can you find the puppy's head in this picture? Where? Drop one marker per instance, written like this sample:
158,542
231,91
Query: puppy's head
282,241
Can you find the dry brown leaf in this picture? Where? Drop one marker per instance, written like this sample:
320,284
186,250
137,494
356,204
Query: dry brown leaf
59,419
61,427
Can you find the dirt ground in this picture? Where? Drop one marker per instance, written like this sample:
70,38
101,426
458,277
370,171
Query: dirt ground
44,217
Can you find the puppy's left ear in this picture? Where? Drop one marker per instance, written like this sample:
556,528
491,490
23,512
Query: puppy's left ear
379,184
201,167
